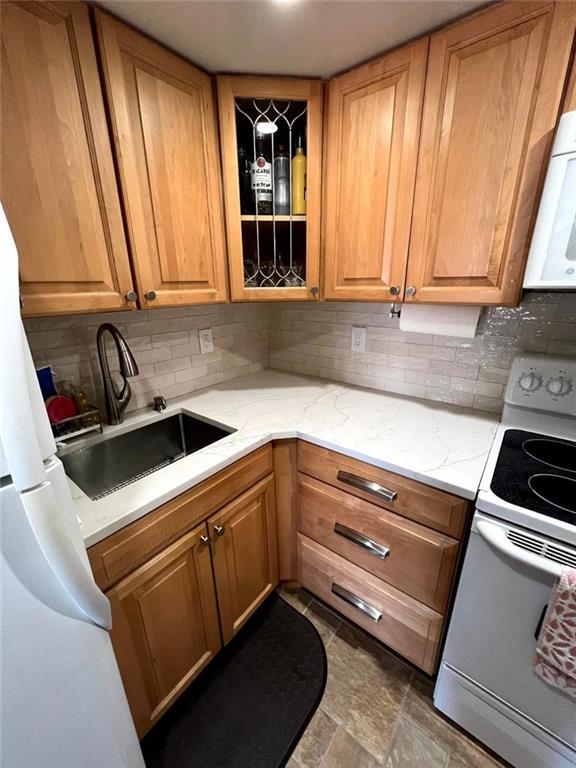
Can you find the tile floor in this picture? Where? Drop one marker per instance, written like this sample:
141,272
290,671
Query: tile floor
376,710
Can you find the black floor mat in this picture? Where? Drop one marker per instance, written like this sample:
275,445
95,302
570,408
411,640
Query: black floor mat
250,706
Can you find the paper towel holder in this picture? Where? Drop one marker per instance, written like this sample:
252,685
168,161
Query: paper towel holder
393,311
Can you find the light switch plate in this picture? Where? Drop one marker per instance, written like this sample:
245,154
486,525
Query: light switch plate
206,343
358,343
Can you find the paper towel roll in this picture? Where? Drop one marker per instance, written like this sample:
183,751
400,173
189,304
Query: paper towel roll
439,319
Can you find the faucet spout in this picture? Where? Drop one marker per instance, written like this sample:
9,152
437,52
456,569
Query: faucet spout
116,402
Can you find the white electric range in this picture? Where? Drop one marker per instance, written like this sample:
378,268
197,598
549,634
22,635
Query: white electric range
523,533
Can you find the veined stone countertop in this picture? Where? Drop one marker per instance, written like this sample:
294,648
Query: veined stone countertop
441,445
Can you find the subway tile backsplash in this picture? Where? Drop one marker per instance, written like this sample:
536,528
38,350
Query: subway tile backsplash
164,343
311,339
315,340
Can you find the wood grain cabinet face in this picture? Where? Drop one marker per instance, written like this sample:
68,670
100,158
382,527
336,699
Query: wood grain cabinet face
372,146
164,127
493,92
165,626
58,185
244,554
275,255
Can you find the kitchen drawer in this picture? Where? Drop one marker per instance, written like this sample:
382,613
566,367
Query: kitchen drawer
407,555
436,509
122,552
399,621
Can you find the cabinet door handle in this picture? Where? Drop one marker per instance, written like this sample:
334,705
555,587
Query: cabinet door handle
219,530
131,296
366,485
410,291
150,295
204,539
363,541
356,602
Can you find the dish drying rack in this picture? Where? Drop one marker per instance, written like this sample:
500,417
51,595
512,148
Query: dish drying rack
74,426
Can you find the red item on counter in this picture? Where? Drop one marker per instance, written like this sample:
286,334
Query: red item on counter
60,407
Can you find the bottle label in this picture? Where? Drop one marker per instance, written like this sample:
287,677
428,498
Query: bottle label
262,178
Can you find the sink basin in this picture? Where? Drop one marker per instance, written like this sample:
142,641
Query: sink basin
105,467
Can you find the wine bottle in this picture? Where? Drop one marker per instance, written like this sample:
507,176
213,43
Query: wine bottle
262,178
299,180
245,171
281,182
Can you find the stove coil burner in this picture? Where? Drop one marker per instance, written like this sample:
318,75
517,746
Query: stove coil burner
553,453
556,490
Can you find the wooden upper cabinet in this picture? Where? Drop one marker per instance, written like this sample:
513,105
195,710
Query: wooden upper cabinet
58,185
493,91
273,248
372,147
244,554
164,125
165,626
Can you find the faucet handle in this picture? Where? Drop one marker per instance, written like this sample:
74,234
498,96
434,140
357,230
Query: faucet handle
159,403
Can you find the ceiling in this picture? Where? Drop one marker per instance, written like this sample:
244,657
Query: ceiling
285,37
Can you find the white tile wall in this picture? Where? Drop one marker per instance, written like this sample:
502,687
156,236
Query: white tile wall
164,343
312,339
315,340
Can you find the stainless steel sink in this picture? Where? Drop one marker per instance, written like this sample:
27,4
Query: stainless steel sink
106,466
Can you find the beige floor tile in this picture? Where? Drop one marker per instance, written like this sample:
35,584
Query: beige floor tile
325,621
315,741
292,763
419,707
297,598
345,752
413,748
365,689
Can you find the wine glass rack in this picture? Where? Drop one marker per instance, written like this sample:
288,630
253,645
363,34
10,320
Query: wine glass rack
274,245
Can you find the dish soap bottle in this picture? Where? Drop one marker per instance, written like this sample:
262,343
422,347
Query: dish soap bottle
299,180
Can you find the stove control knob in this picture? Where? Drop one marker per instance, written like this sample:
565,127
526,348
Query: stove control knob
529,382
559,387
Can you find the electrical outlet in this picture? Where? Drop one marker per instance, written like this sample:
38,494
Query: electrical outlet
206,343
358,340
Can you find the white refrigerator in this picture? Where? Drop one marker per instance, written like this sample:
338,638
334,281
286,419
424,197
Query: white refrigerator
62,704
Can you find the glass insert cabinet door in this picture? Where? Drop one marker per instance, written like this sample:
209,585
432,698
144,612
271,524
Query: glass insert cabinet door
271,133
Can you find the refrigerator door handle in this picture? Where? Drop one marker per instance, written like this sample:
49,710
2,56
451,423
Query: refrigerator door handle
53,539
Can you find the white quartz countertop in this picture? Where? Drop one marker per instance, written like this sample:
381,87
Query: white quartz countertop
441,445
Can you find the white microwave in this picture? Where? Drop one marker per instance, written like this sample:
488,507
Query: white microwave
552,256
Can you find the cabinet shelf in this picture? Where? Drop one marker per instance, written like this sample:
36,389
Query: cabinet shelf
278,217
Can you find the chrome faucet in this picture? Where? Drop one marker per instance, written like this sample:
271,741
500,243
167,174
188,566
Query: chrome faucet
116,402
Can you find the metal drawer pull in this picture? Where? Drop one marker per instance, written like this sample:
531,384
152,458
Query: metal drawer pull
362,541
366,485
356,602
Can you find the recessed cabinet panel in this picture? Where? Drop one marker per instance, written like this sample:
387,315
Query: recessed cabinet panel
245,554
372,144
165,626
170,115
271,148
58,184
165,130
493,91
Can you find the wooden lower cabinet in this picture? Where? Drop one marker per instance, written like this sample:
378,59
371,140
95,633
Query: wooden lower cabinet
404,624
165,626
245,554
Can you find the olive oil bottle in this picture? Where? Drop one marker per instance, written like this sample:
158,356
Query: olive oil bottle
299,181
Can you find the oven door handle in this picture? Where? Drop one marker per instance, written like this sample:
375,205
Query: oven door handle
495,535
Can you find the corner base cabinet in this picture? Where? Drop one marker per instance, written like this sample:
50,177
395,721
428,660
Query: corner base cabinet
184,578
